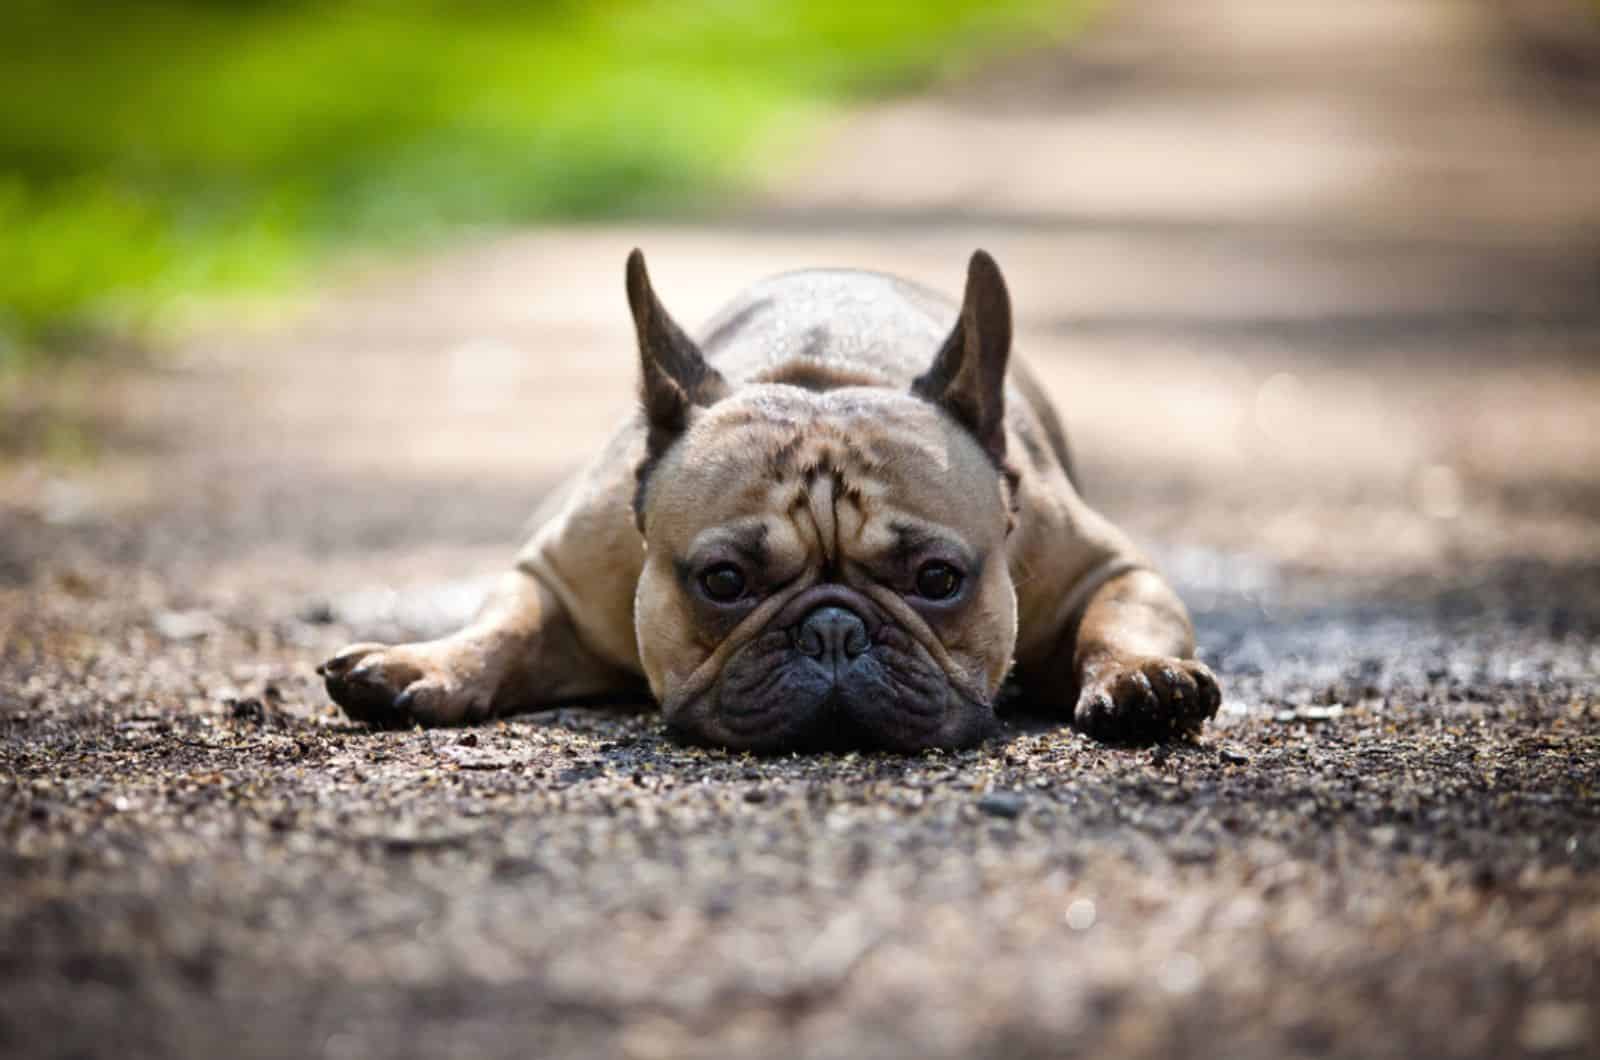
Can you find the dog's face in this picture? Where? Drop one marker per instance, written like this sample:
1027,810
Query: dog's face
826,568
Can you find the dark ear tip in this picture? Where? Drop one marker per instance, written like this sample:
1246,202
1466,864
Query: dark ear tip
982,267
638,280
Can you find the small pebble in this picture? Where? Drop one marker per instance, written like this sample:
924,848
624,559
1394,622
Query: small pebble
317,613
249,710
1234,756
185,625
1311,713
1007,804
1192,851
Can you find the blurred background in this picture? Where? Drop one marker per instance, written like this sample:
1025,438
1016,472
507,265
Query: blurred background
304,305
1315,287
161,150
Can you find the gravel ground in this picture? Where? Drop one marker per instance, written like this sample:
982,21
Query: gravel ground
1356,422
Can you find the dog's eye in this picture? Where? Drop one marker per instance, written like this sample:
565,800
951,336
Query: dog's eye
938,581
723,583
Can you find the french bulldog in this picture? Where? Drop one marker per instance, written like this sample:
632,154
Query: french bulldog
844,516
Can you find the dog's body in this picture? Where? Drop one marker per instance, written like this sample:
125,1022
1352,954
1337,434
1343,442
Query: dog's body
838,519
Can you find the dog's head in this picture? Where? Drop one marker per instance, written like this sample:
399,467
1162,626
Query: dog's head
827,567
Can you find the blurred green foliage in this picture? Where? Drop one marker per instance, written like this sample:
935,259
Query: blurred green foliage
156,148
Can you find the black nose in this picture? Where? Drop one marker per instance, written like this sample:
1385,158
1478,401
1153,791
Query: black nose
832,635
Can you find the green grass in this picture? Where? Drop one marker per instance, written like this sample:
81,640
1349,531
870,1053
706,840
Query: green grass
150,151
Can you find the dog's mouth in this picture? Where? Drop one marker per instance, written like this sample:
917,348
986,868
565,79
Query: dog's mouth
830,670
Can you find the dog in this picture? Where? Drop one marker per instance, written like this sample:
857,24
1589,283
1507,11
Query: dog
845,517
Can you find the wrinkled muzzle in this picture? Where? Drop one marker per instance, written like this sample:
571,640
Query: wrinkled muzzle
830,670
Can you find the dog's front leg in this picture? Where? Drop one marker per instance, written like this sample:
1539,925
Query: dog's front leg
521,652
1137,678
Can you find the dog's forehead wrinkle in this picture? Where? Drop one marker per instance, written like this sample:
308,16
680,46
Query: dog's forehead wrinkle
835,430
830,466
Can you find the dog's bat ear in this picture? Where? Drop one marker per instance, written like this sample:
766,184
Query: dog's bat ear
674,375
968,376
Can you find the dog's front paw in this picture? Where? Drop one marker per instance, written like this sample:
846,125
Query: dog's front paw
425,684
1146,699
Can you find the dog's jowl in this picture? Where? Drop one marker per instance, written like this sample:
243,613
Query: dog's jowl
842,517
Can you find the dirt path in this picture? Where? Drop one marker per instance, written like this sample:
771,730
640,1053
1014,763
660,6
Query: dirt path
1316,285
